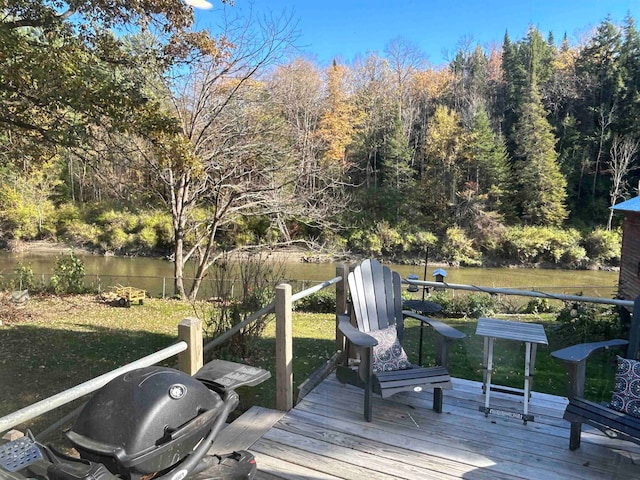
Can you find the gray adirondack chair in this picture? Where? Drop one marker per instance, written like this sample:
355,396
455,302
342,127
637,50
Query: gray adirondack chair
376,303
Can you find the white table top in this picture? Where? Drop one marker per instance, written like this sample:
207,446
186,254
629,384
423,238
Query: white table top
523,332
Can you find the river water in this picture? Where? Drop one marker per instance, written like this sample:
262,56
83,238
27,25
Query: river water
156,275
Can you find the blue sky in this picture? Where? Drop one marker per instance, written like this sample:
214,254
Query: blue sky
345,28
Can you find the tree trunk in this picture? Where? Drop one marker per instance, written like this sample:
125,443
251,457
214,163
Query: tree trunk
178,266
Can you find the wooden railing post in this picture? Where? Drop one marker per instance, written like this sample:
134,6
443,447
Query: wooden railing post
341,301
284,348
190,331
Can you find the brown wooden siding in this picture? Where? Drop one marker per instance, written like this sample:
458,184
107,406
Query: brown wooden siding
629,279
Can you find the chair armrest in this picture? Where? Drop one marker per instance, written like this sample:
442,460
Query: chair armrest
575,360
582,351
355,336
449,333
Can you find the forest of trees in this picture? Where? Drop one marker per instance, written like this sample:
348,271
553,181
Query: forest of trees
168,140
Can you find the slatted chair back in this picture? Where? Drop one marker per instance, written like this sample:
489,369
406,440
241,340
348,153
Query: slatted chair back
376,303
376,296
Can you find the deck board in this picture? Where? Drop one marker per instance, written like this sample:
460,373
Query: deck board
325,437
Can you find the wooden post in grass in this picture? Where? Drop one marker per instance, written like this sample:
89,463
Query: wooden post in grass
284,348
190,331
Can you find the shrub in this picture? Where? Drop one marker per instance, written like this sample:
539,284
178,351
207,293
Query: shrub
115,238
458,248
587,322
574,255
604,246
156,230
163,226
24,278
538,305
148,238
257,278
66,214
68,274
18,216
81,233
533,244
416,243
475,304
481,305
26,212
323,301
364,242
389,238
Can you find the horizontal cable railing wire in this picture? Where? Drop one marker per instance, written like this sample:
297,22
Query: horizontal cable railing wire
519,292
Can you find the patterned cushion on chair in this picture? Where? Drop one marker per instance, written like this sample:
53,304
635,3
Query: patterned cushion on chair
388,354
626,394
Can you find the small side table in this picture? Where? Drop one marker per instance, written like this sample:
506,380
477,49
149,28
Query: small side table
424,307
532,334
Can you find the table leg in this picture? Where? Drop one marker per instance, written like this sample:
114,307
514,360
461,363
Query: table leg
527,369
534,348
485,354
420,346
487,385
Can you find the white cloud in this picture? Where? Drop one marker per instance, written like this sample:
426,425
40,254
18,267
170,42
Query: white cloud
203,4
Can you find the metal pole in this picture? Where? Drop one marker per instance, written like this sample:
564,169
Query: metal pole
424,289
524,293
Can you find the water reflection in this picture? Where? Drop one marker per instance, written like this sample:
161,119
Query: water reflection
156,275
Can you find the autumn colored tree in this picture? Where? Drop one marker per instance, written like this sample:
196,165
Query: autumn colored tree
428,89
444,143
340,120
374,96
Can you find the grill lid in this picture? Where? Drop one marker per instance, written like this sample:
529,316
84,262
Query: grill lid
145,420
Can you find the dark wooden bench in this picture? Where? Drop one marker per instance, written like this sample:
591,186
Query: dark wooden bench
611,422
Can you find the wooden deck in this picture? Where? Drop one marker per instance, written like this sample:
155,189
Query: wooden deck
325,437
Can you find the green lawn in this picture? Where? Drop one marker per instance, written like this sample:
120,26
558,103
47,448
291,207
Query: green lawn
56,343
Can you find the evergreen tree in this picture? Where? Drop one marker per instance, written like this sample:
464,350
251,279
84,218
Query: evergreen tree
599,67
397,174
514,82
488,156
469,88
539,188
537,57
630,79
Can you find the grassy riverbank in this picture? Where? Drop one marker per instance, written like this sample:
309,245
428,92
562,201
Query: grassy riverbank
54,343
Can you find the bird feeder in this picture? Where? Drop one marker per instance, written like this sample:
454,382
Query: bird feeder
412,287
439,274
